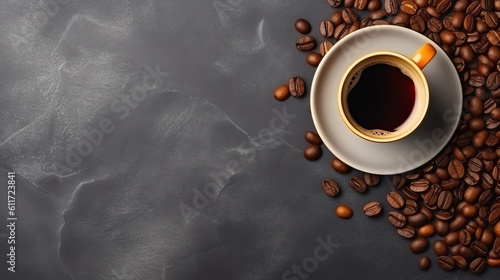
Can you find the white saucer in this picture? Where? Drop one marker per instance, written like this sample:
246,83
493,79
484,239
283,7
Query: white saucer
403,155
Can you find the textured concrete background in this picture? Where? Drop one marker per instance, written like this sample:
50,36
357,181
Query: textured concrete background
142,135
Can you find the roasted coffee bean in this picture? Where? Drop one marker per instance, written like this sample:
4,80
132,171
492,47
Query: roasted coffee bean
494,216
457,19
442,160
479,138
440,248
458,223
466,53
469,23
460,261
354,26
460,5
349,15
419,186
398,181
305,43
469,211
313,152
410,207
372,208
416,220
481,26
313,59
494,37
487,237
487,5
296,86
378,14
442,227
443,6
467,253
419,245
476,124
484,69
444,200
431,10
391,6
476,80
446,262
487,183
464,237
335,3
477,265
475,106
431,177
424,14
494,54
401,19
343,211
447,23
331,187
360,4
410,194
325,47
417,23
489,105
481,46
281,92
456,169
348,3
461,38
485,61
341,31
459,64
495,113
450,184
371,179
427,230
474,8
336,18
424,263
340,166
397,219
406,232
302,26
473,37
475,165
458,154
421,3
374,5
447,37
358,184
429,215
431,197
451,238
479,248
414,175
496,246
435,25
326,28
491,19
472,194
409,7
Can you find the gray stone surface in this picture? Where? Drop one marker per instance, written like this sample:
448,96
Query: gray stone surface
143,137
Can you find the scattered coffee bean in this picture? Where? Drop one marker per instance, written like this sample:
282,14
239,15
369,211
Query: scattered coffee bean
477,265
427,230
372,208
313,152
302,26
424,263
397,219
281,92
409,7
305,43
296,86
313,138
340,166
407,232
326,28
419,245
313,59
446,262
395,200
343,211
331,187
358,184
325,47
371,179
360,4
335,3
440,248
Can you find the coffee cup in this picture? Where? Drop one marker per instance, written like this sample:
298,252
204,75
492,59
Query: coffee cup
384,95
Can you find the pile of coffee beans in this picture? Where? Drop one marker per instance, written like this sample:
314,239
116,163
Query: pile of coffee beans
453,201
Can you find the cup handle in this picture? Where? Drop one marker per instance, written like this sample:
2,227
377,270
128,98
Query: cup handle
423,55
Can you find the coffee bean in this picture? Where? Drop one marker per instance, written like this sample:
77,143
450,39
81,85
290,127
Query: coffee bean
424,263
349,15
313,138
340,166
494,216
442,227
407,232
419,245
461,38
358,184
446,263
313,59
457,19
442,160
475,106
491,19
495,114
481,46
397,219
325,47
409,7
435,25
451,238
410,194
493,81
469,211
335,3
494,54
460,5
372,208
331,187
296,86
395,200
476,80
466,53
427,230
349,3
479,138
424,14
496,229
469,23
458,223
447,37
416,220
456,169
479,248
374,5
336,18
378,14
496,246
366,22
483,69
341,31
440,248
371,179
489,105
410,207
343,211
474,8
464,237
467,253
487,5
431,10
444,200
431,197
476,124
473,37
487,183
391,6
302,26
305,43
443,6
326,28
417,23
313,152
360,4
281,92
354,26
459,64
494,37
477,265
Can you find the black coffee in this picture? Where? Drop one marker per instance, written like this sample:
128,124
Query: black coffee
383,98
